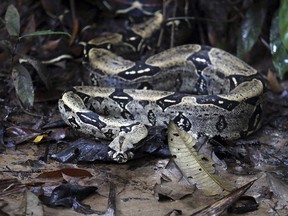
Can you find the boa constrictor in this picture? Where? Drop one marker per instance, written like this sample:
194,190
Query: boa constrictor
204,90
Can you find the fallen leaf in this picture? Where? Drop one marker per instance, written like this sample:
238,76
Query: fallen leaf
22,134
221,205
10,186
69,195
32,205
243,205
39,138
277,186
31,24
80,173
173,184
51,45
197,168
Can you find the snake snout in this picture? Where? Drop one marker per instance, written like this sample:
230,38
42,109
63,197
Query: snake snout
121,157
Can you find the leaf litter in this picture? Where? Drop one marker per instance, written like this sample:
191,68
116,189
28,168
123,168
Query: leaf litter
134,189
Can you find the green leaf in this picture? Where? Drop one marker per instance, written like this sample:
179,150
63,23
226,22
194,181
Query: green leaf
44,32
277,48
23,85
251,27
12,19
283,22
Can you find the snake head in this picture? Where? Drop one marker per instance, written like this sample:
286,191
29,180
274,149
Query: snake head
126,142
121,149
120,157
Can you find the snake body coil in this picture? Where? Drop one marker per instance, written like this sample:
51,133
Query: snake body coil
204,90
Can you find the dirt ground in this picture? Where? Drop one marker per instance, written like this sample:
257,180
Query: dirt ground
134,188
30,136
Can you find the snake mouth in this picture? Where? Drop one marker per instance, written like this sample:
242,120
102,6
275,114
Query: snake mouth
120,157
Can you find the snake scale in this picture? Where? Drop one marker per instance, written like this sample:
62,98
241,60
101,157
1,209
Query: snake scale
204,90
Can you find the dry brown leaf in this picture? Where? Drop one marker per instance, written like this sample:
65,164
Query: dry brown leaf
31,25
273,82
10,186
277,186
173,184
73,172
32,205
51,45
221,205
197,168
75,31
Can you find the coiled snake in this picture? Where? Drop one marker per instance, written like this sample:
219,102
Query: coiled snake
204,90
